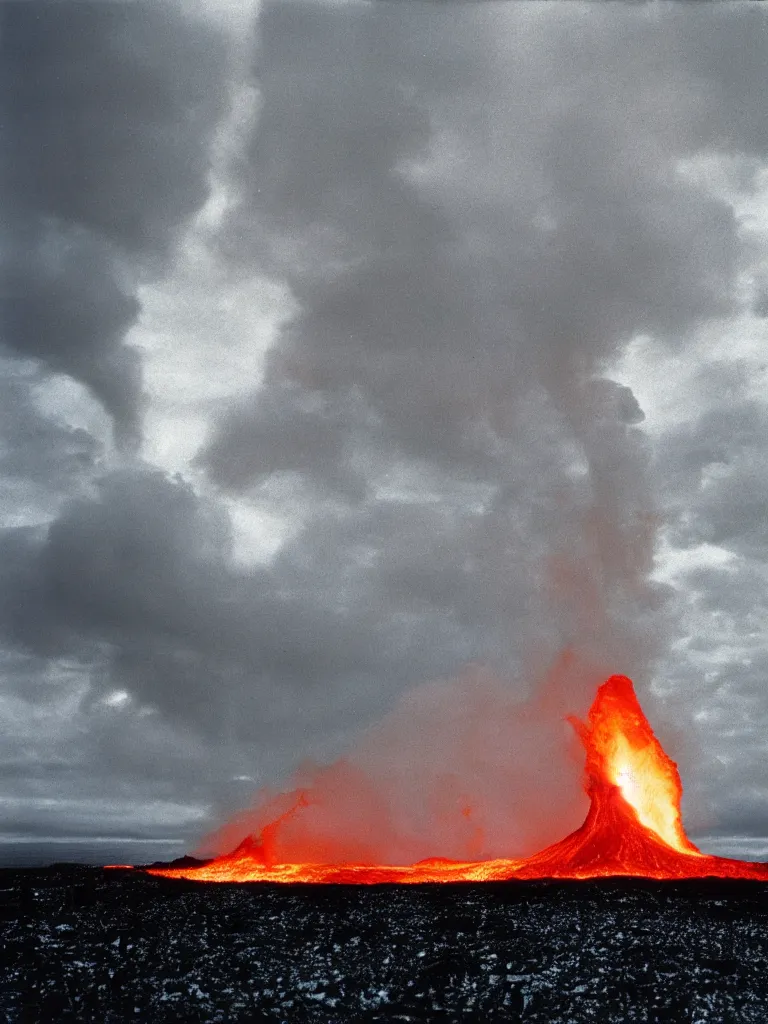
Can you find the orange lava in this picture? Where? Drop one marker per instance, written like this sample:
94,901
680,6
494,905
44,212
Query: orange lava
633,827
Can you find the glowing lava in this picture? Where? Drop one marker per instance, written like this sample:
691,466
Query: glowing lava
634,826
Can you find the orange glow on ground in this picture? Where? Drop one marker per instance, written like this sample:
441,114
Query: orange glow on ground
633,827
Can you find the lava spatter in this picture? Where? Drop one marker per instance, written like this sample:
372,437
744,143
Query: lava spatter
633,827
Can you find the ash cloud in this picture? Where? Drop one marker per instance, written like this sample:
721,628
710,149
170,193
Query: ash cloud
468,251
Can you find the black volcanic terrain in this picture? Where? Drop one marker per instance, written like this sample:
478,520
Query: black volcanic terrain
89,945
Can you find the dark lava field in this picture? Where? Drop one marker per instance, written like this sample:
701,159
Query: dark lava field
90,945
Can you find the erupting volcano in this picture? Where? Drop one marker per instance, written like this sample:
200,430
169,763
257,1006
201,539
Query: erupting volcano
633,827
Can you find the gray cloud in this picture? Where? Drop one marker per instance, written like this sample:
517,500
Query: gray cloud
711,469
714,468
108,113
37,453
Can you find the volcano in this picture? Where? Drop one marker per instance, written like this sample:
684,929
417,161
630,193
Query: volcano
633,827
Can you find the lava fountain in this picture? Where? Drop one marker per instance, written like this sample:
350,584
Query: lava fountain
633,827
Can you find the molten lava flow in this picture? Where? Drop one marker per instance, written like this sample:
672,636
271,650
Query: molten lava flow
634,825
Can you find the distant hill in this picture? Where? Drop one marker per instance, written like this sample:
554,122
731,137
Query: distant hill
180,862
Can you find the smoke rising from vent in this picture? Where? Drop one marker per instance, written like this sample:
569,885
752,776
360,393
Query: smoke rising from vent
457,770
472,234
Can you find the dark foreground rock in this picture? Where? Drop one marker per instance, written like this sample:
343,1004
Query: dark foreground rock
83,944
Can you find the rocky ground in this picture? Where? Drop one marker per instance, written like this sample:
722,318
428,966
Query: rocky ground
84,944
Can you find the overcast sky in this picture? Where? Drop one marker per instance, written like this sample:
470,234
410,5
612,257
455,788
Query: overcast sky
366,371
